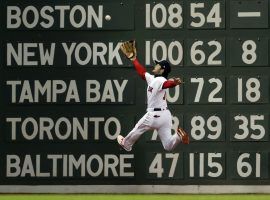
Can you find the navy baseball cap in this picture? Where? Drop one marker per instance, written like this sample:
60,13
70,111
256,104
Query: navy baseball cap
164,65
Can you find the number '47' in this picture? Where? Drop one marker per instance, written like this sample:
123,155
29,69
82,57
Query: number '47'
156,166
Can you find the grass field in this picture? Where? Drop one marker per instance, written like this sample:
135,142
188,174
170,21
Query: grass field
132,197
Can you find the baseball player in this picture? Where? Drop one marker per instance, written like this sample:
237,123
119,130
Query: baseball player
157,116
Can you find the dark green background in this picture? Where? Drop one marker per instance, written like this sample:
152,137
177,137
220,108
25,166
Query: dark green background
128,22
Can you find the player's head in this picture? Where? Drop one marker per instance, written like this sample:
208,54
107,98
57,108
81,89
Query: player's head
162,68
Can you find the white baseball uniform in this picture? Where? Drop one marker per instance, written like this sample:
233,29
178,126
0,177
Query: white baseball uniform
159,120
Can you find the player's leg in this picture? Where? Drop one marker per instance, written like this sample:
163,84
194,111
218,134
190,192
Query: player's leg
143,125
163,125
168,140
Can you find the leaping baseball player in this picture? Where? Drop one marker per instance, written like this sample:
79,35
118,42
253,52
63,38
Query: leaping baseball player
157,116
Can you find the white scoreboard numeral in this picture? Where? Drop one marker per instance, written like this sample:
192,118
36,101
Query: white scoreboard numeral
211,97
211,58
200,82
156,166
175,46
175,15
161,8
252,92
216,168
172,15
195,52
213,93
194,14
249,55
244,168
198,56
198,127
167,51
251,123
212,17
254,126
243,127
174,158
217,129
197,124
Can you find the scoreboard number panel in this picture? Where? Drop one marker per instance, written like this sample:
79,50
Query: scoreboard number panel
246,52
249,165
249,14
169,15
249,89
206,14
205,126
205,90
164,165
164,49
206,165
165,15
206,52
247,126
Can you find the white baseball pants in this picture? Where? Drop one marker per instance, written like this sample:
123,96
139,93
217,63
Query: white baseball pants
159,120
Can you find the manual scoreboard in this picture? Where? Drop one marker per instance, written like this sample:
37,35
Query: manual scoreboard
67,93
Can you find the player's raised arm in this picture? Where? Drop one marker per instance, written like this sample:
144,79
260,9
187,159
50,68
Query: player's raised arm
129,50
139,68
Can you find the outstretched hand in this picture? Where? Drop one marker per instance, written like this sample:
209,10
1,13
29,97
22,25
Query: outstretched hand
128,48
177,81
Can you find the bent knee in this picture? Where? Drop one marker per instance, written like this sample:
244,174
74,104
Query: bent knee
168,147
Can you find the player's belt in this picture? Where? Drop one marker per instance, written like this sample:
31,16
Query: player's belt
156,109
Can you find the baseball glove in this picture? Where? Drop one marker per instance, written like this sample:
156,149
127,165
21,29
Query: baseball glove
129,49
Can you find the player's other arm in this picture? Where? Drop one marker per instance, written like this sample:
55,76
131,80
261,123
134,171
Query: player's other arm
139,68
171,83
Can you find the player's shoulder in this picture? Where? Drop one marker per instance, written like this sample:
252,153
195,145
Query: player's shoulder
149,77
160,79
148,74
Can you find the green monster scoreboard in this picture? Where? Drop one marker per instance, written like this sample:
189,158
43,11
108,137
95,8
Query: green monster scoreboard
67,92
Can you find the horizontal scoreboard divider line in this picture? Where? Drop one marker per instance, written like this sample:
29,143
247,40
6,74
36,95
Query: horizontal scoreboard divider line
146,189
